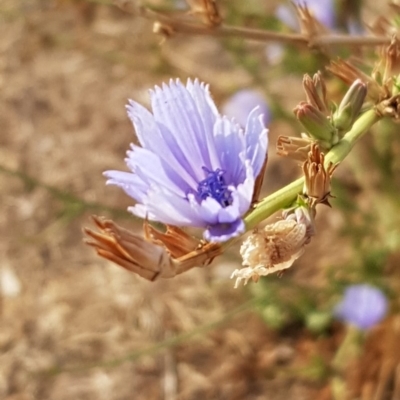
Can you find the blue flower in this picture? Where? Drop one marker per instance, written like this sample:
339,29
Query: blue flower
194,167
242,103
363,305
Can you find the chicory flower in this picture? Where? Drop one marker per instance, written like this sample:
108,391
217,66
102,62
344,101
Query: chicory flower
194,167
362,305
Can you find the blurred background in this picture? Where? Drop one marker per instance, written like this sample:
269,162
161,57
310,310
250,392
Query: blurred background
73,326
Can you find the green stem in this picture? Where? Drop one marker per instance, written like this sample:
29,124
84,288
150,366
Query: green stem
287,195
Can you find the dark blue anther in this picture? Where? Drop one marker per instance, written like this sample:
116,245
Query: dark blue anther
214,186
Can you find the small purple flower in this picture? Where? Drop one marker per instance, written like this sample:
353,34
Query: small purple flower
242,103
363,305
194,167
322,10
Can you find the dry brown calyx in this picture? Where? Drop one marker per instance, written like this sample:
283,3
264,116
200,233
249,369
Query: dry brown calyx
157,255
317,177
296,148
316,92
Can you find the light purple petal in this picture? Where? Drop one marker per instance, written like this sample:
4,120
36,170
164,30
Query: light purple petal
256,141
224,232
157,138
230,144
229,214
153,170
244,191
171,209
173,106
130,183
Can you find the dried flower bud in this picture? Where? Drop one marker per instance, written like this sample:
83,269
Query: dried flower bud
207,10
321,11
160,255
350,106
390,108
315,89
391,60
317,183
349,73
309,23
317,124
274,248
294,147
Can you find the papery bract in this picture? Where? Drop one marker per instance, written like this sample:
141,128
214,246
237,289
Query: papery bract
194,167
363,305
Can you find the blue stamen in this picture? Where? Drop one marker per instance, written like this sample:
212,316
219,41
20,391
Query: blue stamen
214,186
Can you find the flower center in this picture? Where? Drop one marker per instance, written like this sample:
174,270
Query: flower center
214,186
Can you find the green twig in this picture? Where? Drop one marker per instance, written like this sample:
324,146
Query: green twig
287,195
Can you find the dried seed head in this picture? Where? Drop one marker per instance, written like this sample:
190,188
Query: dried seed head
276,247
158,255
317,183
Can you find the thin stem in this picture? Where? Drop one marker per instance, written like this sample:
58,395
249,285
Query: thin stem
178,25
285,196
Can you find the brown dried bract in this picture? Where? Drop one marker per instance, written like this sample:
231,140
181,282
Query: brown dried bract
157,255
349,73
207,10
317,184
258,183
294,147
316,92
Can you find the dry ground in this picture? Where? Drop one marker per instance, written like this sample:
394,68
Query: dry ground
66,70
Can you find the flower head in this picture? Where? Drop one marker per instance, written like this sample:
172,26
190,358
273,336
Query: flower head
363,305
194,167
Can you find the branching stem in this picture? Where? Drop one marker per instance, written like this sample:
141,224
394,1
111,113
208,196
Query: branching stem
285,196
